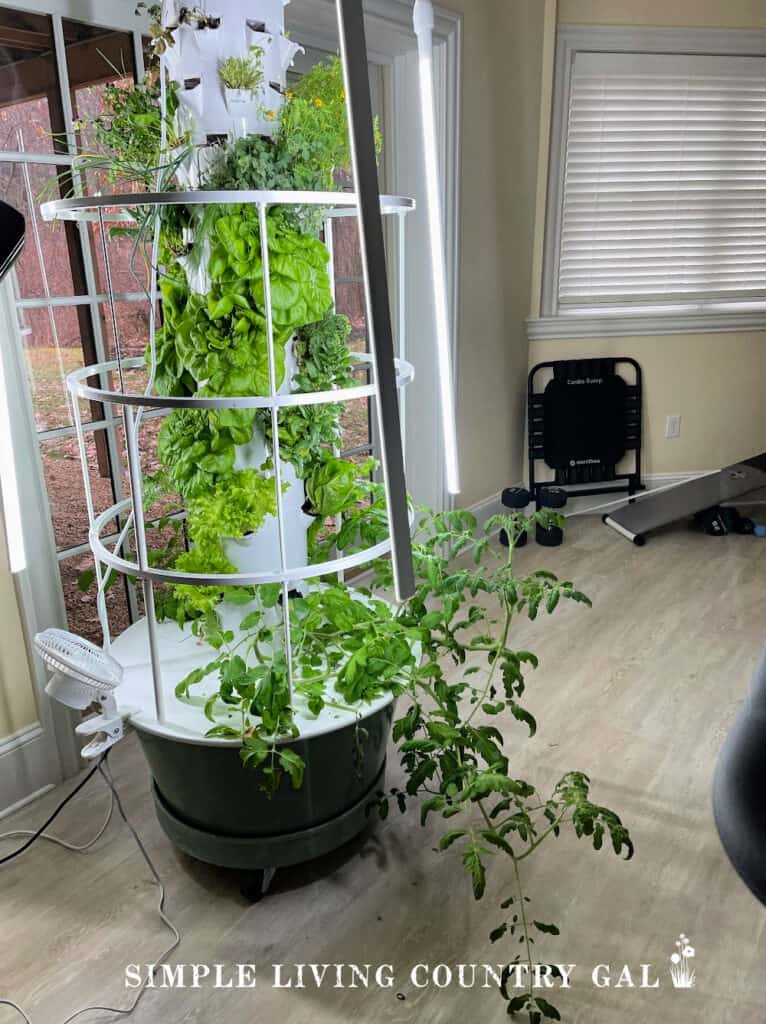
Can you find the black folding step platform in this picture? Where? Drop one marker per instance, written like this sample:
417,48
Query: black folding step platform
584,417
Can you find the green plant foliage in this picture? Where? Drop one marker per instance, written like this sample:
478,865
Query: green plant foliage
191,601
451,728
251,162
337,636
333,486
314,127
161,39
196,454
216,344
221,342
324,363
237,506
172,377
323,356
300,285
451,751
242,72
363,523
129,131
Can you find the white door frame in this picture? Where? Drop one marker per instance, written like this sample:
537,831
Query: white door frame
45,752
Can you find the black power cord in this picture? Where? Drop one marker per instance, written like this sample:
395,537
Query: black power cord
25,846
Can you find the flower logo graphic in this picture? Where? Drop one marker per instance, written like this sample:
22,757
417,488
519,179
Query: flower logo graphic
681,970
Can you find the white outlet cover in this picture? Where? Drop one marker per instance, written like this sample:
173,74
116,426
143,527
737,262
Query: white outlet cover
673,426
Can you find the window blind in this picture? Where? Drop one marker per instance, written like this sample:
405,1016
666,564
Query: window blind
665,182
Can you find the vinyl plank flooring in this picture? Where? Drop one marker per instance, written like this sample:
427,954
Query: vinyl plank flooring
638,692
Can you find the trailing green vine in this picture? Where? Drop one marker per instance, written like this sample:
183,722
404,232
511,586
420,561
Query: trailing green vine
452,752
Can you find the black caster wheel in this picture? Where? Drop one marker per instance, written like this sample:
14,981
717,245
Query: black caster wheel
254,884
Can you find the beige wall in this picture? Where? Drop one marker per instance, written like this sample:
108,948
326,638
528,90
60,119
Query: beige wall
685,13
715,381
17,702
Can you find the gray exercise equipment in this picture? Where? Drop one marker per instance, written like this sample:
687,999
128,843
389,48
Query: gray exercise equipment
638,518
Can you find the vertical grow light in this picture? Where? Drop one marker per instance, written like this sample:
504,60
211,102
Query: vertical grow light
12,234
423,20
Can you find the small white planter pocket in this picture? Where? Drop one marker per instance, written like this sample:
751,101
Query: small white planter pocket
191,98
254,36
238,101
287,52
208,40
240,105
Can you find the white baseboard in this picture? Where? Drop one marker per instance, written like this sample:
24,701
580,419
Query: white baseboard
25,768
19,738
492,505
483,510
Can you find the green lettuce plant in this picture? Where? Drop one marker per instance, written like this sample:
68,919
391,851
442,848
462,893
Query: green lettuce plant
300,285
197,456
324,363
238,506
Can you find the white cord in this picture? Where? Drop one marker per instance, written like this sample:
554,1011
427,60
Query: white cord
640,496
22,832
115,801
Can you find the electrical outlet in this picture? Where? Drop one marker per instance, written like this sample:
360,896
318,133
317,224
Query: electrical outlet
673,426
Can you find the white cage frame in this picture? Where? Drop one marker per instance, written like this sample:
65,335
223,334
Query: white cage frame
114,208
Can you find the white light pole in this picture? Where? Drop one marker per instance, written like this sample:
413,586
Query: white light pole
423,20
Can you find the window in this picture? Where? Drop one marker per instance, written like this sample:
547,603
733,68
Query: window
60,310
657,202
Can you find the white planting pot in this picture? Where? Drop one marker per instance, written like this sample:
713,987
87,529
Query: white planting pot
260,551
193,101
242,109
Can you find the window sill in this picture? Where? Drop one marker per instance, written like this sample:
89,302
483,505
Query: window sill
638,325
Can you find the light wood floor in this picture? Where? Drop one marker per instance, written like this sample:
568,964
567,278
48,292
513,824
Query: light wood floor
639,693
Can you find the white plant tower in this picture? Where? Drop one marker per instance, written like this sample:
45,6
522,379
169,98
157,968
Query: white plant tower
156,656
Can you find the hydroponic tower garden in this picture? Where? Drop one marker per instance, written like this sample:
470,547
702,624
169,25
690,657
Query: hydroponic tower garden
263,719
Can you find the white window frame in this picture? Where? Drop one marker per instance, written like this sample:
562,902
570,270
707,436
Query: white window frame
571,39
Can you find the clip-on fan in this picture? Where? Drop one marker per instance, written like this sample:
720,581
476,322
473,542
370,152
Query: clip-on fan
84,674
